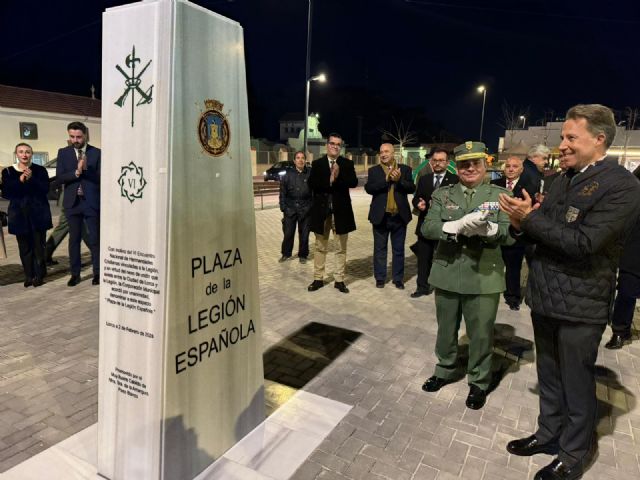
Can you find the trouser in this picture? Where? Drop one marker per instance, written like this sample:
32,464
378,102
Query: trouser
425,249
320,256
59,232
31,248
76,221
479,312
512,256
566,354
625,303
289,223
391,226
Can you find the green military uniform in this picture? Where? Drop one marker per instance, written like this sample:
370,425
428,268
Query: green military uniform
468,275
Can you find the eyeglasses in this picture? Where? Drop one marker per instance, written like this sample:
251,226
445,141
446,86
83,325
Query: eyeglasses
439,160
334,144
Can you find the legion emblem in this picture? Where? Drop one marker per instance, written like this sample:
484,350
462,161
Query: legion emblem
132,81
213,129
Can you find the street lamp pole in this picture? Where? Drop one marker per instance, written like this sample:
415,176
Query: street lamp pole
482,90
308,78
524,121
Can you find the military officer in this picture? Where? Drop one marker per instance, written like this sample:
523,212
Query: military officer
468,270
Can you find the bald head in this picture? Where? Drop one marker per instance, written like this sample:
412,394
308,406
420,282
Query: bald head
386,153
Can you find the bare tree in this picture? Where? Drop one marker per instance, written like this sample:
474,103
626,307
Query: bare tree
631,118
511,121
401,134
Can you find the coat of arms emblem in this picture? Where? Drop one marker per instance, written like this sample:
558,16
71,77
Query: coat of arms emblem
213,129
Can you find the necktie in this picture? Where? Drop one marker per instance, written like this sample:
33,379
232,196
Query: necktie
330,198
80,157
436,184
468,193
510,184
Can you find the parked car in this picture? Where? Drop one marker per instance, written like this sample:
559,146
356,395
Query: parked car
277,170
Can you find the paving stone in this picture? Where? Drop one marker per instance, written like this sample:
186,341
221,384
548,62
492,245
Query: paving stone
49,368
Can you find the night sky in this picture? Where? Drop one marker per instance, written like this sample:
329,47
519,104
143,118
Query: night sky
419,60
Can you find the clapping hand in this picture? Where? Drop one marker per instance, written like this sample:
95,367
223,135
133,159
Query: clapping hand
335,171
26,175
467,223
517,208
394,175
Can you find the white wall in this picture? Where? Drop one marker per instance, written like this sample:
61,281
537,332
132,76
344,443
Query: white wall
52,131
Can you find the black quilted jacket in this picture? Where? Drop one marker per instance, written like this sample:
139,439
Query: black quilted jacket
579,231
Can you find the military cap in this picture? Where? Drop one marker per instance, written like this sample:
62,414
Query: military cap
469,151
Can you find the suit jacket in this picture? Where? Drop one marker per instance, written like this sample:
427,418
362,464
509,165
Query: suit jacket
425,190
89,179
530,178
338,193
517,188
468,265
378,187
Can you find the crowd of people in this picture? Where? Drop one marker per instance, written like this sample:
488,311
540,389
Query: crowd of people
578,229
26,186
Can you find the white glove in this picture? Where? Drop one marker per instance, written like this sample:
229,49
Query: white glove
470,220
486,229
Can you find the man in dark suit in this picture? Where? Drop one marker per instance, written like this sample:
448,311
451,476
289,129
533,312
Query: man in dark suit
78,170
628,291
330,180
424,247
512,254
578,232
389,183
533,167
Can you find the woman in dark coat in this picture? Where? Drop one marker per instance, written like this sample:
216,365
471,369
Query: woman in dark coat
26,185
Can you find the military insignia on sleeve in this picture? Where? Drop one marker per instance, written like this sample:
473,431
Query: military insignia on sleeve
213,129
588,190
572,214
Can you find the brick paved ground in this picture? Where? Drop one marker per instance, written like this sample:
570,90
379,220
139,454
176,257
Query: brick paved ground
48,373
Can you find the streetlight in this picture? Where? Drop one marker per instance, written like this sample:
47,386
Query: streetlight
524,121
483,91
318,78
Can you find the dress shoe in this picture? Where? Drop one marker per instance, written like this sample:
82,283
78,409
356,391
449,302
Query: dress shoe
419,293
476,398
530,445
514,306
379,283
433,384
51,262
341,286
27,283
96,280
399,285
617,341
284,258
557,470
73,281
315,285
37,281
302,259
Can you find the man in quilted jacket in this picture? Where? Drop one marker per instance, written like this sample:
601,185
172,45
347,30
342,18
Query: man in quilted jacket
578,231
